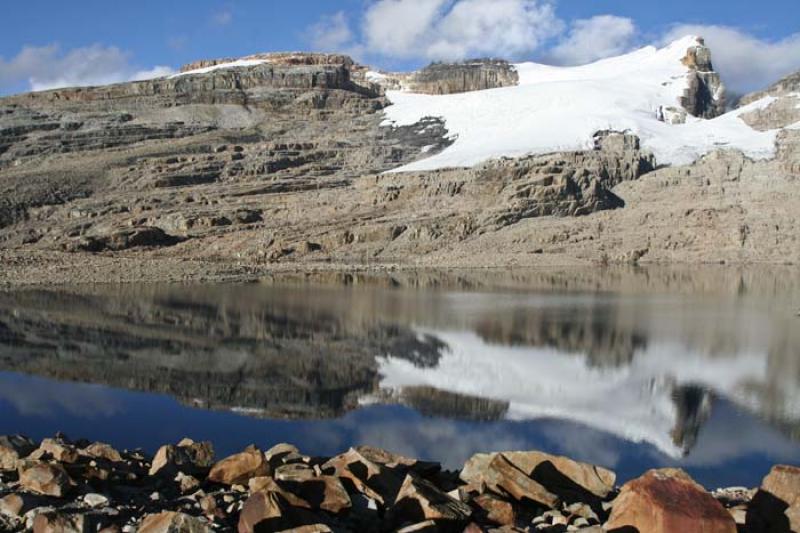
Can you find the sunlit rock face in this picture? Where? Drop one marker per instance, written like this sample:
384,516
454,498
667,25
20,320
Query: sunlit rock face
467,76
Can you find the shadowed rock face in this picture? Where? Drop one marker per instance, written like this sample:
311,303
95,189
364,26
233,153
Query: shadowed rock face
705,96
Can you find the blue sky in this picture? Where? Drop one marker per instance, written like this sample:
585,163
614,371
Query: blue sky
107,41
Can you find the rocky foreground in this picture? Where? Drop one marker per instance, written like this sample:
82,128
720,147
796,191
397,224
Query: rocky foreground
65,486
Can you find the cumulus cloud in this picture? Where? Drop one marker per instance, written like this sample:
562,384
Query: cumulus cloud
49,67
596,38
746,63
444,29
332,33
401,28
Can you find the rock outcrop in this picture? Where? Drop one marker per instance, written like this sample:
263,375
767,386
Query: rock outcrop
784,109
705,96
789,84
451,78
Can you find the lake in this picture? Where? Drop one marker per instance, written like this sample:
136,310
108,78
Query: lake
626,368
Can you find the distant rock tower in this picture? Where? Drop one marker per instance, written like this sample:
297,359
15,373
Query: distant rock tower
705,97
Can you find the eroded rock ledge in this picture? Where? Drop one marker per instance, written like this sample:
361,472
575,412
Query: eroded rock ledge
76,486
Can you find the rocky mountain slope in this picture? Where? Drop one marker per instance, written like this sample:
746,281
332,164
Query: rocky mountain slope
280,160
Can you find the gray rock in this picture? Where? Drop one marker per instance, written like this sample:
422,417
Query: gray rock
705,96
473,75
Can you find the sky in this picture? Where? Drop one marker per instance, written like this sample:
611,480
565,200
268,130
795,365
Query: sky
51,43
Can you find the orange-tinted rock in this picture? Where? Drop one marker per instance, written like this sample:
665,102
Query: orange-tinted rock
326,492
568,479
500,476
12,449
12,505
419,500
776,505
188,457
273,509
239,469
496,510
60,451
100,450
668,501
374,480
53,522
45,479
171,522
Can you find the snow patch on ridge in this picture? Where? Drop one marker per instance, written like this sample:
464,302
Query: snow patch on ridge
561,108
232,64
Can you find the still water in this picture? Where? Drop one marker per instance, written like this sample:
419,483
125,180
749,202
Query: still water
629,370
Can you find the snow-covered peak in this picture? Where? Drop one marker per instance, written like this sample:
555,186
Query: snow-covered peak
561,108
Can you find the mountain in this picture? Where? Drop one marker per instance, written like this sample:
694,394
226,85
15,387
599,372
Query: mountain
236,167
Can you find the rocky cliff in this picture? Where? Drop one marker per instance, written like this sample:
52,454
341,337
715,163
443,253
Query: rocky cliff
283,160
450,78
705,96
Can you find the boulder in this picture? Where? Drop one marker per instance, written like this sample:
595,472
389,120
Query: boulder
100,450
323,492
45,479
12,449
171,522
569,480
668,500
16,505
273,509
188,457
95,500
496,510
776,505
240,468
294,472
396,461
503,477
277,453
419,500
58,450
187,483
375,480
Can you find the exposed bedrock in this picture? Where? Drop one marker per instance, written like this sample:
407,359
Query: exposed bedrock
705,96
474,75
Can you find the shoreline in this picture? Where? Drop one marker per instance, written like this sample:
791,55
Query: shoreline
63,485
26,269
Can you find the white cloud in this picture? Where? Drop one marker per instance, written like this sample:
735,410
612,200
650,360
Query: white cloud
332,33
595,38
745,62
443,29
506,28
48,67
401,28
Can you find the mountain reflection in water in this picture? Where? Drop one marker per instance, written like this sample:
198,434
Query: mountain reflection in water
690,377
